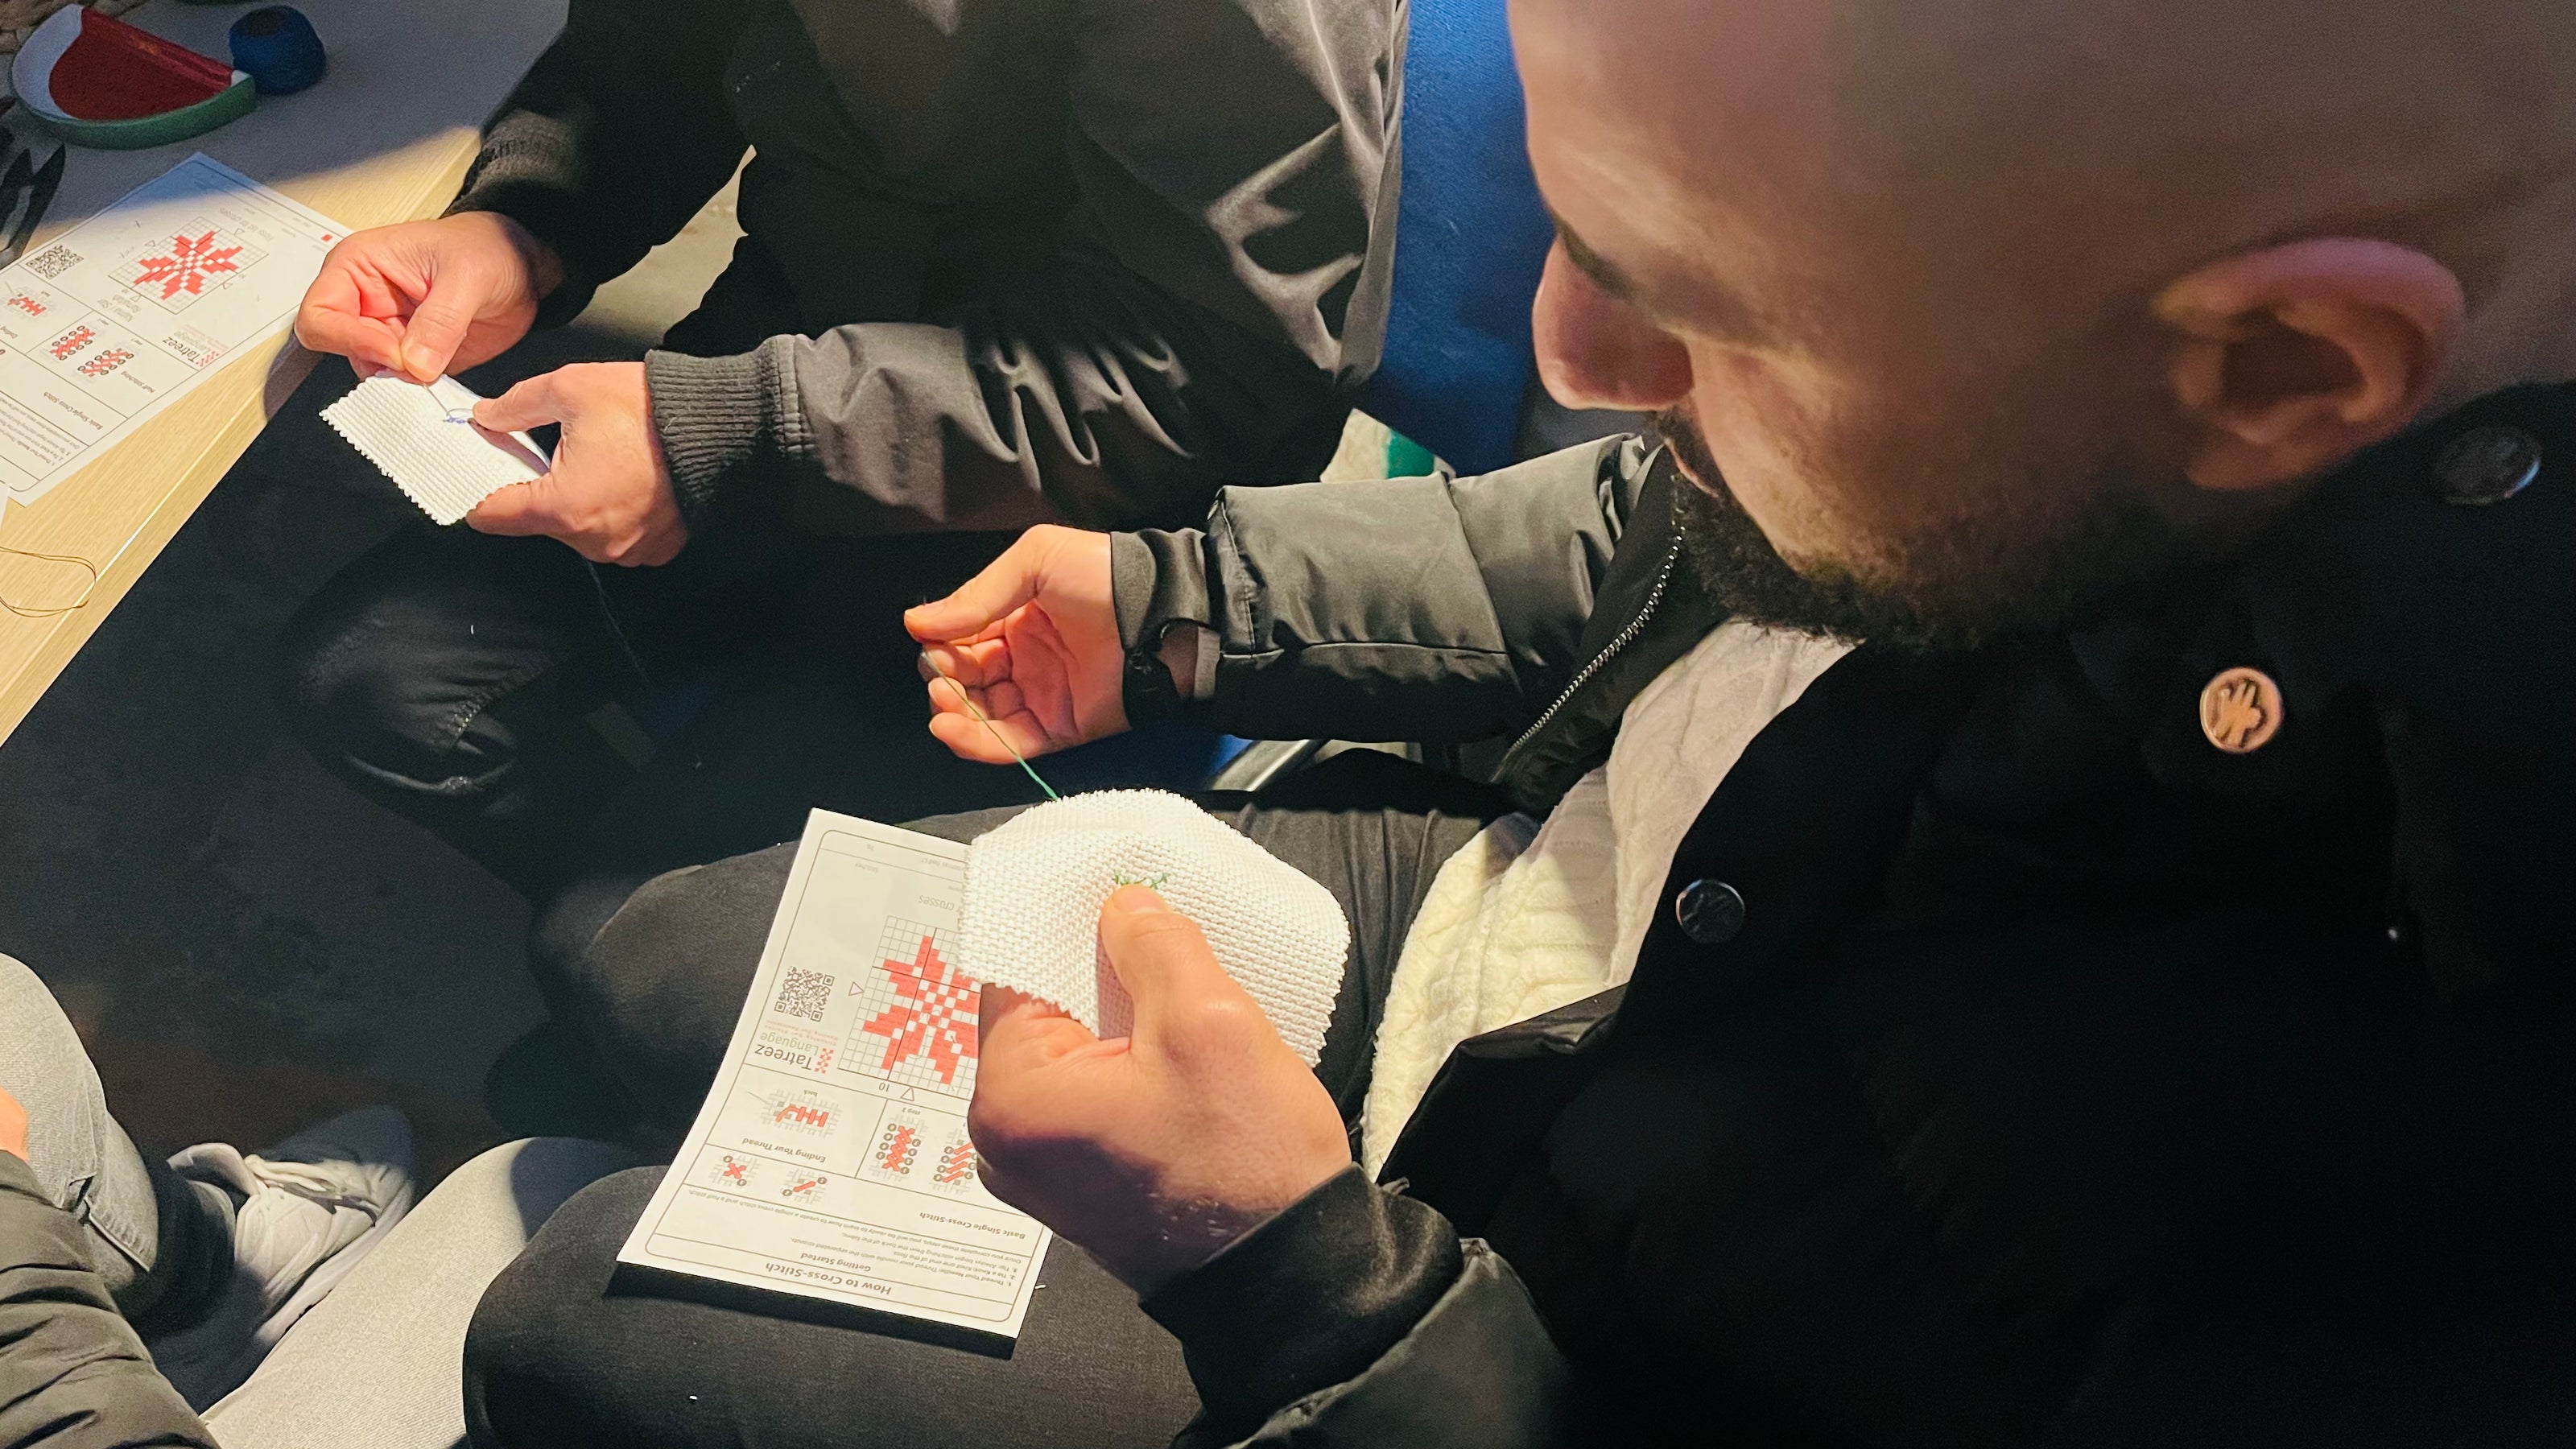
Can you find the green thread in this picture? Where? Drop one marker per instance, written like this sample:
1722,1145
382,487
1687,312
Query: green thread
968,700
1120,877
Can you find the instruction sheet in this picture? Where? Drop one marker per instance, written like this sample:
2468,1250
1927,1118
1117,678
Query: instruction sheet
119,317
831,1157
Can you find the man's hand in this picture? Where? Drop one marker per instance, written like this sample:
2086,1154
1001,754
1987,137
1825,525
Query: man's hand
1155,1150
609,495
1034,641
428,297
13,1126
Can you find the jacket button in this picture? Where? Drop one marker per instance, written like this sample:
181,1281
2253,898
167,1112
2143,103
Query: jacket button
2487,465
2240,710
1710,911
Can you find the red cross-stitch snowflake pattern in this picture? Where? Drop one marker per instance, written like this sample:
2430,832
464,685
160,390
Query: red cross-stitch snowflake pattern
107,362
28,305
70,343
930,1016
187,264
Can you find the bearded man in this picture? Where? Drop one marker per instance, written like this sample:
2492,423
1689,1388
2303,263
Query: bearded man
2018,911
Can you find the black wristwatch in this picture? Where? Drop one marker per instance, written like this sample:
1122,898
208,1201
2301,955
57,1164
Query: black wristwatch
1148,691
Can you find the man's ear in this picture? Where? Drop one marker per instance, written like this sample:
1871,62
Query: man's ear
2293,358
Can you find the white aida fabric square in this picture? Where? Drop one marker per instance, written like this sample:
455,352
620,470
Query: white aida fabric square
425,439
1034,888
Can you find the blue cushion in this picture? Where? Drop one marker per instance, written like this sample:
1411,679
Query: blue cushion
1470,238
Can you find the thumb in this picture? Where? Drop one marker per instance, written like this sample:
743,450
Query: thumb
1162,958
437,327
516,511
531,404
1005,584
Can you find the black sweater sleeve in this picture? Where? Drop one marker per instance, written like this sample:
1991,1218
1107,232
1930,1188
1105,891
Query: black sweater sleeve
1309,1299
73,1375
616,137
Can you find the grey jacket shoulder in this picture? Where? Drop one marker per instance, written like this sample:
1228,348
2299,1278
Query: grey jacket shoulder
1241,155
1427,609
1201,197
72,1373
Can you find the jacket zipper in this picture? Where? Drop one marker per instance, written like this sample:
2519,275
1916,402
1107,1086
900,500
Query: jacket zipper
1621,640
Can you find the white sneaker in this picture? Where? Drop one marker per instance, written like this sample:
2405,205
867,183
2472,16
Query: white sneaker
306,1211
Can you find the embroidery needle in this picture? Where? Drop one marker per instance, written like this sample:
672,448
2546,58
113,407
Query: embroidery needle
968,700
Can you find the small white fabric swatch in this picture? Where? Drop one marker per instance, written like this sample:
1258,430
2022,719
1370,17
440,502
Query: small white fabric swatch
1030,919
426,440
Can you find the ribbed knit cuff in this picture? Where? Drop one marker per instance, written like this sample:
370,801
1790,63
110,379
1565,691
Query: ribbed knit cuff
522,173
719,418
1309,1299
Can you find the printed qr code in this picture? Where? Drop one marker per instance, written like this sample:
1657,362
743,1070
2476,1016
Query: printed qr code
53,261
803,993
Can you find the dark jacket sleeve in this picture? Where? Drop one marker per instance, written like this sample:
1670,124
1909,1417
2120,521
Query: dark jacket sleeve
1358,1317
1214,296
72,1373
1432,609
615,138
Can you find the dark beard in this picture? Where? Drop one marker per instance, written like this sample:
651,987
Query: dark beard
2002,592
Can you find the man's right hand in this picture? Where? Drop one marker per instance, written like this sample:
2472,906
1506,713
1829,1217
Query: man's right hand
1033,640
428,297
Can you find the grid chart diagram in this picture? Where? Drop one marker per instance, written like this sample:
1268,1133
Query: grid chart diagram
176,270
916,1023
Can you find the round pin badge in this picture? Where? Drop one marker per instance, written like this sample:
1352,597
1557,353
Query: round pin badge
2240,710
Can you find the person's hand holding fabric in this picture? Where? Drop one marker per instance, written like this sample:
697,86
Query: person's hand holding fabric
608,496
425,298
1032,641
1155,1150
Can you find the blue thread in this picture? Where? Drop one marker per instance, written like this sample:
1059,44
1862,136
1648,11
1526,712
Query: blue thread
277,49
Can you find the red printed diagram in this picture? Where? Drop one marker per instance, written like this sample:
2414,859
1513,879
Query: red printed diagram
802,1113
71,344
899,1146
21,302
916,1020
740,1174
917,1148
190,263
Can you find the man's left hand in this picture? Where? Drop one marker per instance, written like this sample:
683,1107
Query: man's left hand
1156,1149
609,496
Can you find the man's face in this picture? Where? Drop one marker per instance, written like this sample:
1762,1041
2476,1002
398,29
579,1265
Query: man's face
1941,415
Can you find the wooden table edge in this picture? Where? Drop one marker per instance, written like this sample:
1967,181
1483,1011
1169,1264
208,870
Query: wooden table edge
285,365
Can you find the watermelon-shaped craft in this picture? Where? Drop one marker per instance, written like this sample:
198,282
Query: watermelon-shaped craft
101,82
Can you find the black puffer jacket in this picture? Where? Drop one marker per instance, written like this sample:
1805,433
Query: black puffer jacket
2064,1080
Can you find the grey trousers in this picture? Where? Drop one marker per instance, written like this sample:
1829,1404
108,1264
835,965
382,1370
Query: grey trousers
159,1244
378,1364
